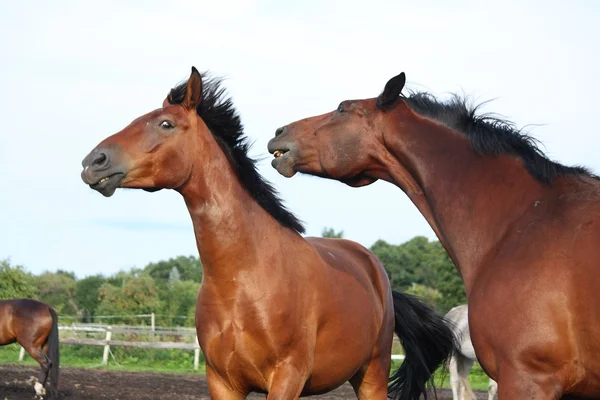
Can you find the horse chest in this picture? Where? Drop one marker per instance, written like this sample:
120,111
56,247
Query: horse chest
240,343
238,355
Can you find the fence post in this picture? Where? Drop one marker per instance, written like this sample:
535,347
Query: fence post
153,323
21,354
196,355
107,346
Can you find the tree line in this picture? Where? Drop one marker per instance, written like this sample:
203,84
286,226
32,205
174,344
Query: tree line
170,287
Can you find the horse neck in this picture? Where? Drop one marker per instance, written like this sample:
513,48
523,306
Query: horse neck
229,225
470,201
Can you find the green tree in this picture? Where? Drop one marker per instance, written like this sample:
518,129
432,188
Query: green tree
189,269
423,263
87,295
135,295
448,280
15,282
398,263
120,277
429,295
331,233
58,290
179,299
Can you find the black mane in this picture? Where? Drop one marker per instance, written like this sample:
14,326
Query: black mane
219,114
491,135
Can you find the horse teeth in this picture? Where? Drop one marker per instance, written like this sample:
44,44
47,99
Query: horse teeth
277,154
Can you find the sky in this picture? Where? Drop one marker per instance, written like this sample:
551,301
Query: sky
73,73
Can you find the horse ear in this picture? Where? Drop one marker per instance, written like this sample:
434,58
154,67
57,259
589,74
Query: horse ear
193,91
167,101
391,91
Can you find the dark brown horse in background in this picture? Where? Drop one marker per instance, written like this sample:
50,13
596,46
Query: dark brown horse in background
523,231
34,325
276,313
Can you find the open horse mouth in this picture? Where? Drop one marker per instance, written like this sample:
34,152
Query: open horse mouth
106,185
285,155
284,163
279,153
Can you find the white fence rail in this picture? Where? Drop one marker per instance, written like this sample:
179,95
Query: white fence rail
107,342
151,331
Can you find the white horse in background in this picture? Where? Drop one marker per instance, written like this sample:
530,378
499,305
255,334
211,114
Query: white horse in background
462,361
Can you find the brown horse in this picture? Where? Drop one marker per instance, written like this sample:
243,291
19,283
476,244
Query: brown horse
34,325
276,313
522,230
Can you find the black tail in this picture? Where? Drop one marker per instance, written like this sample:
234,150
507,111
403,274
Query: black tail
53,354
428,342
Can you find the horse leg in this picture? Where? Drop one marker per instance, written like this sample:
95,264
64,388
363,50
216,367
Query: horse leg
287,382
492,389
44,352
218,389
40,356
371,381
454,378
464,366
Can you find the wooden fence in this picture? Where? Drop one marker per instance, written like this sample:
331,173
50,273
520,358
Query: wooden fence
108,341
152,332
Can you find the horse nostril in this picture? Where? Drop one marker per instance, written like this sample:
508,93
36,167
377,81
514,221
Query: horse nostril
279,131
100,161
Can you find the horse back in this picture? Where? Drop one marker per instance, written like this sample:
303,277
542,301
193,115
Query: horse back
352,259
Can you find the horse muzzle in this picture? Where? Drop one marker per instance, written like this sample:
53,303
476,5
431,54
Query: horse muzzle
101,173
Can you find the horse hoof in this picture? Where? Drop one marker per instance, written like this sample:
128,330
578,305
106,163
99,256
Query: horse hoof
39,389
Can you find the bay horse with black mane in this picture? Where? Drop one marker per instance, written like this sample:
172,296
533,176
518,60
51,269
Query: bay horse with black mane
34,325
276,313
523,231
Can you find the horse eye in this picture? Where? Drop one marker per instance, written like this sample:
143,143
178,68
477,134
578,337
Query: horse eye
341,108
166,125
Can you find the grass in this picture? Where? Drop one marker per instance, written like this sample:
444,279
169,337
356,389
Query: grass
122,359
478,379
173,361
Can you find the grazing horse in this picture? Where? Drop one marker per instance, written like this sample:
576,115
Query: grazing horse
276,313
522,230
34,325
464,357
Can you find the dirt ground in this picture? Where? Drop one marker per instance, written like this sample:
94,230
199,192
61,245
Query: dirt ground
87,384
